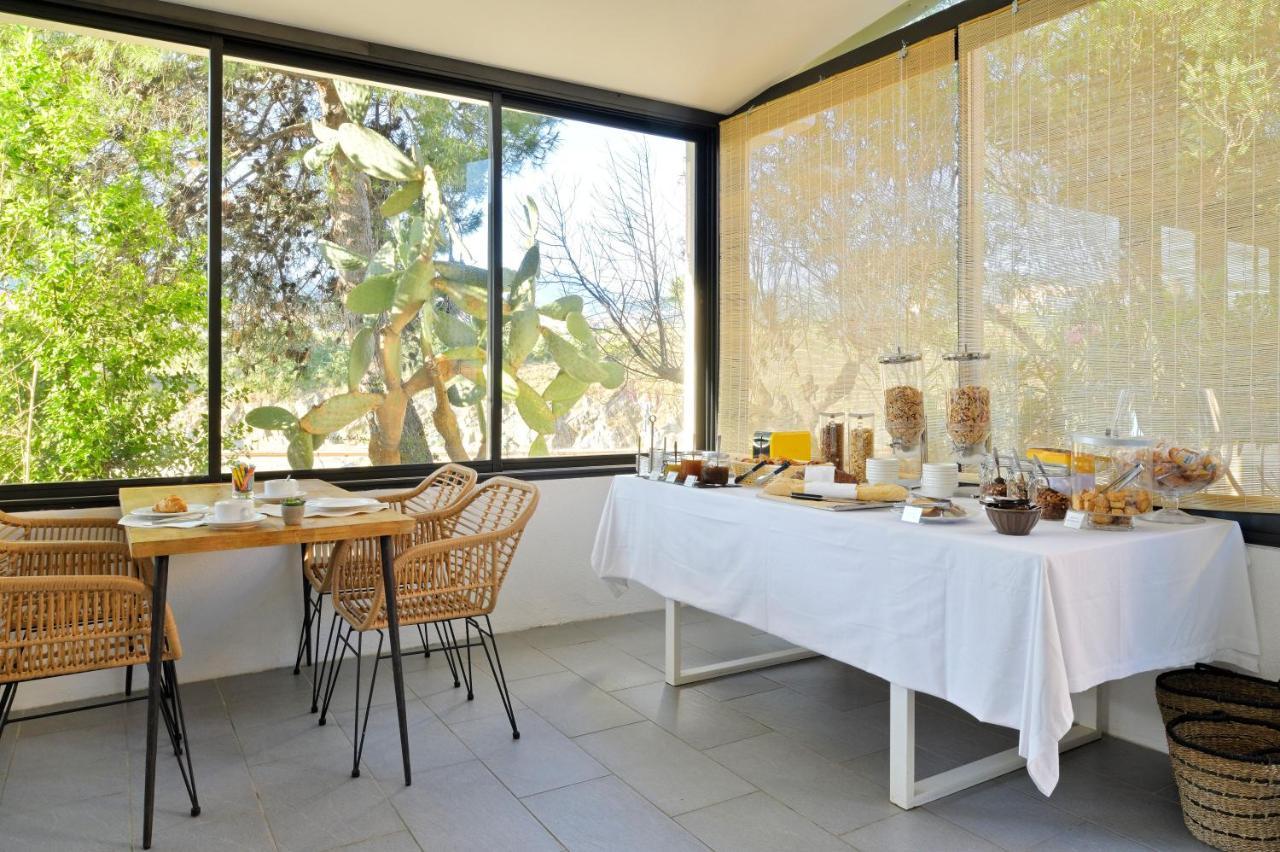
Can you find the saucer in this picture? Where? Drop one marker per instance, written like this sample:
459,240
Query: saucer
258,518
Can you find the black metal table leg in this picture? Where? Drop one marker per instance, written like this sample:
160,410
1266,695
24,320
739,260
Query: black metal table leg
159,592
393,630
307,593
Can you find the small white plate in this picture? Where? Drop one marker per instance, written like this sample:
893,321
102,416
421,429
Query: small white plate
258,518
193,509
338,503
944,519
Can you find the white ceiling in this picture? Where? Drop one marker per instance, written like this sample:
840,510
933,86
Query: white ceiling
712,54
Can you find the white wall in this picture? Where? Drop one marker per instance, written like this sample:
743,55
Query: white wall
240,612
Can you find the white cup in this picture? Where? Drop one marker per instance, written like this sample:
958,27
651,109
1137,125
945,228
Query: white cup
280,487
228,511
945,468
882,471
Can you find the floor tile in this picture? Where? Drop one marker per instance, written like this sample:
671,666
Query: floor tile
729,640
452,705
835,684
836,734
555,636
604,665
520,660
64,767
1087,837
735,686
464,807
664,770
875,766
1004,816
630,634
355,809
832,796
571,704
606,814
690,656
1141,767
431,743
914,831
757,823
88,825
700,721
401,841
542,759
223,783
212,831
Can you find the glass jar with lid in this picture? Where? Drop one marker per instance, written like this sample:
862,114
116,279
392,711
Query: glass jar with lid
1110,479
968,405
1050,482
861,444
831,439
901,381
715,468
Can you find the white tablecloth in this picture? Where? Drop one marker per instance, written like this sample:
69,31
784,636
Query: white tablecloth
1005,627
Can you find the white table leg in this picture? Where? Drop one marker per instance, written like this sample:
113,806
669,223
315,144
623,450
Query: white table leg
906,791
678,675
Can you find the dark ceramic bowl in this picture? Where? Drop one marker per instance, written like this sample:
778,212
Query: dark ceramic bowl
1013,521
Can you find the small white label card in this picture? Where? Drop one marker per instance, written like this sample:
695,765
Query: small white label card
656,475
1074,520
672,476
912,514
690,481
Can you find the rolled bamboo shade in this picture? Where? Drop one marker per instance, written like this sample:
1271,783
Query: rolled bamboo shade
837,242
1121,219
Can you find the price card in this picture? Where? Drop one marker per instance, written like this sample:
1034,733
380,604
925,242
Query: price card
690,481
1074,520
655,475
912,514
672,476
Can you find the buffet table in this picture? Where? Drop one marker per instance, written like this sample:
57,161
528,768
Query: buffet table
1005,627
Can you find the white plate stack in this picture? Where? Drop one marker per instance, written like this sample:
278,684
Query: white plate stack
939,479
882,471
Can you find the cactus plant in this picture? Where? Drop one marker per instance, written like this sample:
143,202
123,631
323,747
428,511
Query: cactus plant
406,290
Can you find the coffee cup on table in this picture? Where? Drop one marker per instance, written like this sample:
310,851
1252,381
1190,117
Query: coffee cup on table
230,511
280,488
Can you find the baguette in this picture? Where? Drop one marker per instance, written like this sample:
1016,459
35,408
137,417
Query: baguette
885,492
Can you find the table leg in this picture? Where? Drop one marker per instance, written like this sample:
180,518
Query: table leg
306,592
678,675
906,791
159,593
393,630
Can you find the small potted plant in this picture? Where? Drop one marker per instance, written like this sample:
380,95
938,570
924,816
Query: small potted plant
292,510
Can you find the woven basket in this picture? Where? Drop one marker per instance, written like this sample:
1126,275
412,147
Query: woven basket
1208,689
1228,774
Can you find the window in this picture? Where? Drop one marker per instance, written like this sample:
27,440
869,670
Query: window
352,208
838,224
1118,227
103,286
355,271
596,235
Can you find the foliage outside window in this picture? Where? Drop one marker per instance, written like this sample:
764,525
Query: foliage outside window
103,285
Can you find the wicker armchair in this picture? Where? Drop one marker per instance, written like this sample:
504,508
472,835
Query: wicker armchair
429,503
61,624
59,528
438,582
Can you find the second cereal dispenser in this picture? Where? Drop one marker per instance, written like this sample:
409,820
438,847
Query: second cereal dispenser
904,417
968,405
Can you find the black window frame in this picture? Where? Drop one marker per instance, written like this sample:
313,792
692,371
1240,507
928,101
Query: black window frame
239,38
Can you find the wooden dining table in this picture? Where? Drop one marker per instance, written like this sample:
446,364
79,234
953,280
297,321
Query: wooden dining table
159,543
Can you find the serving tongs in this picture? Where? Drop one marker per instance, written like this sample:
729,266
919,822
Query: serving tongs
1124,479
764,480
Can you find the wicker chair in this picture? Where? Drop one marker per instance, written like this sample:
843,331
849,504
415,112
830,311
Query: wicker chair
437,582
59,528
60,624
430,504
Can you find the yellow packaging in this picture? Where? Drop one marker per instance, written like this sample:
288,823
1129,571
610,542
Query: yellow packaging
796,446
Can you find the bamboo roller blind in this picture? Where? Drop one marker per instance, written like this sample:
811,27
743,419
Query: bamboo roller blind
838,242
1113,175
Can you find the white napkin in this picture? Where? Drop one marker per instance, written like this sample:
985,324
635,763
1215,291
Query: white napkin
818,473
833,490
310,511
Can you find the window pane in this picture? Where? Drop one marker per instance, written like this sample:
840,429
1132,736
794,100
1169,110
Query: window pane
837,244
103,284
596,234
354,272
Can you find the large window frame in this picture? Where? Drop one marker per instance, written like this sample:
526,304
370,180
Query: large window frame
223,35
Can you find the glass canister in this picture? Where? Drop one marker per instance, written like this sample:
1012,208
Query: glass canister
904,419
831,439
715,468
968,405
861,444
1110,479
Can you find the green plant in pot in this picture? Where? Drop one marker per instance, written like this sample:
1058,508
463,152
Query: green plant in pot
292,509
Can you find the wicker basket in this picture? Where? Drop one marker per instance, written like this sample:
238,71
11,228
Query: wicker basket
1208,689
1228,774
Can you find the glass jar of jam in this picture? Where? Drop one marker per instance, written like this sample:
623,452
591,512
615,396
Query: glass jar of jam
715,469
690,465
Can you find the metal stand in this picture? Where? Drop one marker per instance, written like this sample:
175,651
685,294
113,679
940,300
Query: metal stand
677,675
906,791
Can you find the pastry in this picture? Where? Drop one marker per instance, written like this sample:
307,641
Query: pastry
173,503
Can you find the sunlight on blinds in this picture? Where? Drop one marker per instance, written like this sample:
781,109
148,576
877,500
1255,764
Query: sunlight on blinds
838,242
1122,219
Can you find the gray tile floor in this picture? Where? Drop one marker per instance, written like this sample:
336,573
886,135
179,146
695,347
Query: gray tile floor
793,757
